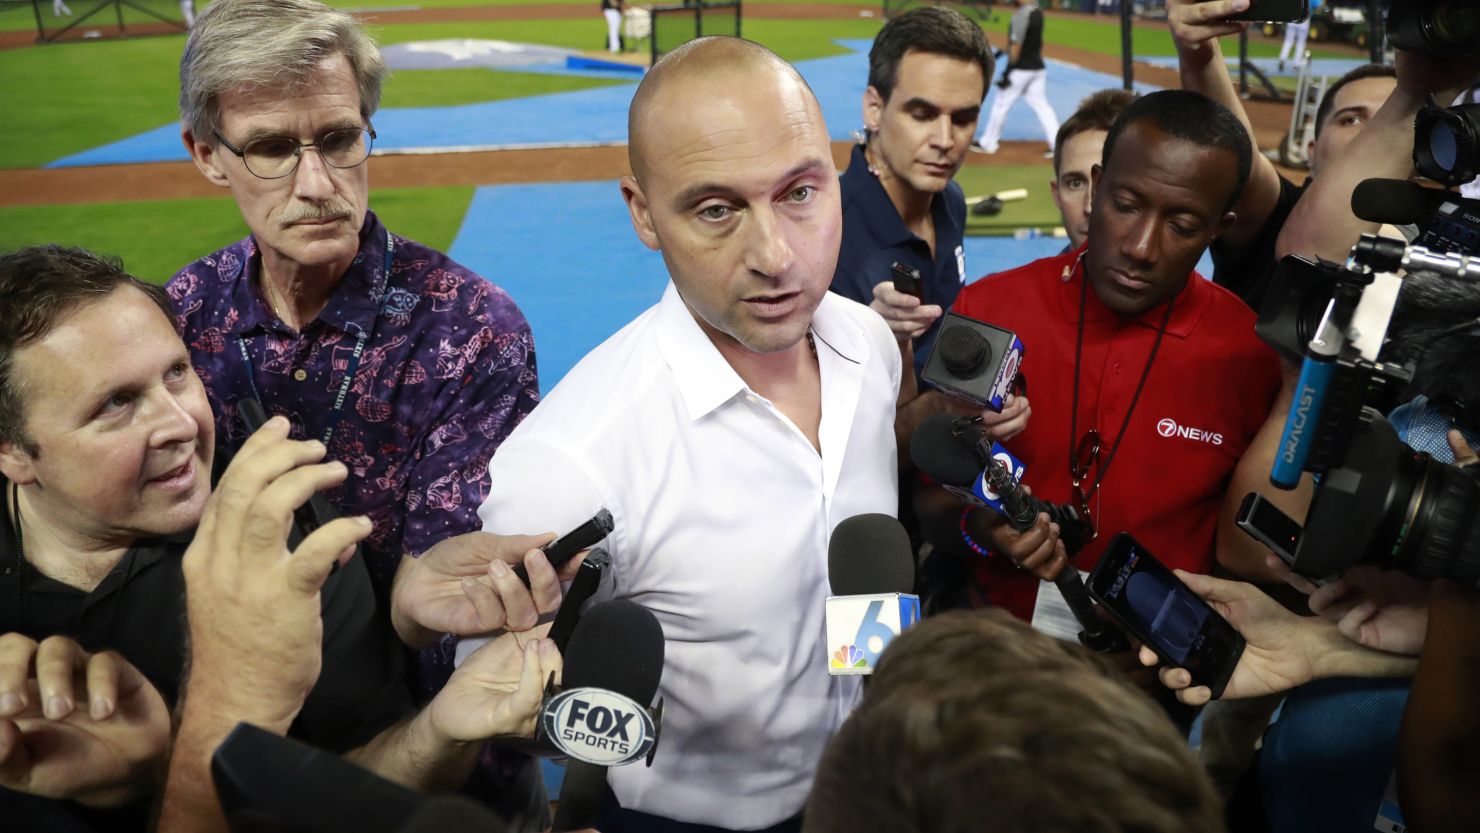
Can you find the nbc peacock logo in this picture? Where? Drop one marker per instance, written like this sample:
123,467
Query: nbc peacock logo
848,656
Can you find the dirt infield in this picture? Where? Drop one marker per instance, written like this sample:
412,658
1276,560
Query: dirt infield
180,180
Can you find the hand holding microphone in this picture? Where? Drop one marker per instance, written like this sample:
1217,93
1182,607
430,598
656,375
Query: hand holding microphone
957,457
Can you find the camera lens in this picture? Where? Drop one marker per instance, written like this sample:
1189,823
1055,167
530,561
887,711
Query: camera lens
1454,24
1443,148
964,351
1446,144
1447,539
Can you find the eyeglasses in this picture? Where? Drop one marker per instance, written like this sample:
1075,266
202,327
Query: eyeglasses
1086,458
274,157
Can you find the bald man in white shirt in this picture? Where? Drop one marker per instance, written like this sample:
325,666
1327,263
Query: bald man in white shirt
728,429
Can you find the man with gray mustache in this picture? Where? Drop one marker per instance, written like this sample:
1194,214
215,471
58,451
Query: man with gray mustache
410,368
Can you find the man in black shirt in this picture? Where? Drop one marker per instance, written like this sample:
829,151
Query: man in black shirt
1025,77
106,445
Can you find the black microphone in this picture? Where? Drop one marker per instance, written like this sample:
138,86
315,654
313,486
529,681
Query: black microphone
582,588
870,554
1396,202
871,569
266,782
618,646
954,454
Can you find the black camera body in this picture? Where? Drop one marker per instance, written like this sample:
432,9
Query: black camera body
974,361
1434,27
1395,508
1377,501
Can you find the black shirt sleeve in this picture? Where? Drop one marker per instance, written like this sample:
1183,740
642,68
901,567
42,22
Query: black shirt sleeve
362,689
1247,272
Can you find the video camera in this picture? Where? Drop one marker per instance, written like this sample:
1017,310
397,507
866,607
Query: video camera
1377,500
1447,141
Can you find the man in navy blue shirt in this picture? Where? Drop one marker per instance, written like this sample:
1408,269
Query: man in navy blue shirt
928,74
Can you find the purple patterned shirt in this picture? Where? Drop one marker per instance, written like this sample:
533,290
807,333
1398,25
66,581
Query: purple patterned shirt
446,374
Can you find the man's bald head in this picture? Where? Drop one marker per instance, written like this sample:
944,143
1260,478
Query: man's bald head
704,64
734,183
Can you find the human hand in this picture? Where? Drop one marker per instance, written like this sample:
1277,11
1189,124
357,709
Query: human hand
77,726
1037,549
994,426
497,690
906,315
1195,24
1380,609
1013,418
1277,656
256,632
464,586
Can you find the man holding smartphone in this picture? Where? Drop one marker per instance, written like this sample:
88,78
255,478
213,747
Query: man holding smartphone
1129,357
928,73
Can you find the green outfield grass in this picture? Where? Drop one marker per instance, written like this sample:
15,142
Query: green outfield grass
157,237
1104,36
58,102
1037,211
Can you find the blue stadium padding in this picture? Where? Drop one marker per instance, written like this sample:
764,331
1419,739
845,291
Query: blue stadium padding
600,115
582,62
567,254
554,775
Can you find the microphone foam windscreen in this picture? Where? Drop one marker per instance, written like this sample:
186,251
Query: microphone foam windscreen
870,554
1394,201
618,646
936,451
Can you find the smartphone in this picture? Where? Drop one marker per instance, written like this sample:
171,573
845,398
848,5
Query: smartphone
565,547
1287,11
308,517
907,280
1265,523
1152,603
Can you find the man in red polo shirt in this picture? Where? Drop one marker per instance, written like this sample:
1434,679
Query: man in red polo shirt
1150,376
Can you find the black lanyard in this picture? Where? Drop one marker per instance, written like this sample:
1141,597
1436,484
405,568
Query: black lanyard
1078,350
354,359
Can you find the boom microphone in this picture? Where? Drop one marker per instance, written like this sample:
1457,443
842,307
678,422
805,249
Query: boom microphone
871,568
1396,202
959,460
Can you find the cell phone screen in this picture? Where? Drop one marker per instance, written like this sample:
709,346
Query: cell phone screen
1165,614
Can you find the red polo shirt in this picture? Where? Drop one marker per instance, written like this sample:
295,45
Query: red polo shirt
1209,390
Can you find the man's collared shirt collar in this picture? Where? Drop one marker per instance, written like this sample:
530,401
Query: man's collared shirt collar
878,209
1191,302
705,379
351,309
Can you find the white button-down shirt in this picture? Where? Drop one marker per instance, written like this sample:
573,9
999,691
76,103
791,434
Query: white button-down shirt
723,512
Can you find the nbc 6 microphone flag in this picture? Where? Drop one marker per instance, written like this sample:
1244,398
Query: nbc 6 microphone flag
860,627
